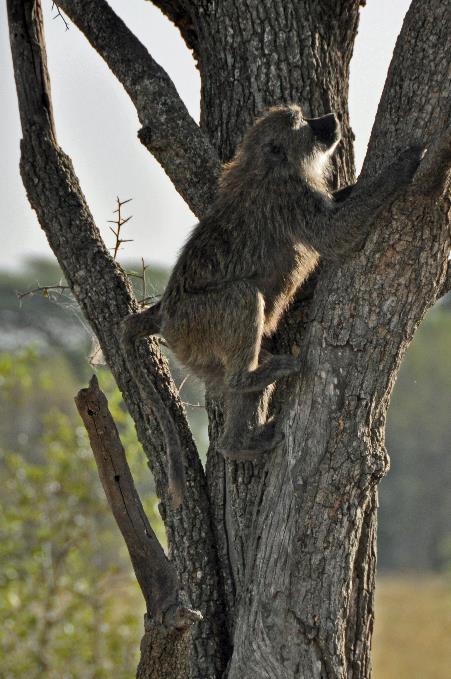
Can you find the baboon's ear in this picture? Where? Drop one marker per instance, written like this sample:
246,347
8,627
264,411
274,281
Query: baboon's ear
275,152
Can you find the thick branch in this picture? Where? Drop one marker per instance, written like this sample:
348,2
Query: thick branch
30,67
314,597
168,131
415,106
155,574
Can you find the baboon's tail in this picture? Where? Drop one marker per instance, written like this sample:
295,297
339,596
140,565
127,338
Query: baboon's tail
138,325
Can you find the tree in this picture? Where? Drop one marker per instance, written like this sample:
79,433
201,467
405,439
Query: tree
279,556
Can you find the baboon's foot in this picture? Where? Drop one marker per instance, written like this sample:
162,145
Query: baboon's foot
253,446
272,369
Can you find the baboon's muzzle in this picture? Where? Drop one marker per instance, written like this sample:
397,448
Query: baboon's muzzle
326,128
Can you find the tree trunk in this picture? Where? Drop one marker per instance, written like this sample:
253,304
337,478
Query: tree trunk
279,556
300,568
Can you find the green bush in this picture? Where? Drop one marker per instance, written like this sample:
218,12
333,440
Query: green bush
69,604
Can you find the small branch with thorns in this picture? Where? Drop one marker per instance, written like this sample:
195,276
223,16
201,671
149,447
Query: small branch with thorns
119,222
61,288
142,277
42,289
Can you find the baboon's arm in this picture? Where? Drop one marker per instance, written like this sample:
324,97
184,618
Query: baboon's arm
343,227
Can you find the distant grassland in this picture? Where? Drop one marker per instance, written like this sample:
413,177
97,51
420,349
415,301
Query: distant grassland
412,636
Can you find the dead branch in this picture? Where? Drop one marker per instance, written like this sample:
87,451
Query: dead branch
155,573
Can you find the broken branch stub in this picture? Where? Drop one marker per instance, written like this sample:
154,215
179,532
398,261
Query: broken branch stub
155,573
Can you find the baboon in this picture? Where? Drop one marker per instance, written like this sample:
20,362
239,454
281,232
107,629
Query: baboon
273,218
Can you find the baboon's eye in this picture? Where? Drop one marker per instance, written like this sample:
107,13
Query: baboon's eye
276,152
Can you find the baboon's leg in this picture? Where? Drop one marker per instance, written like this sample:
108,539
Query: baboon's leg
270,370
142,324
242,371
246,433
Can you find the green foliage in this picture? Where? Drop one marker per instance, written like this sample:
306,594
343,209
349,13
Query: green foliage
69,605
415,503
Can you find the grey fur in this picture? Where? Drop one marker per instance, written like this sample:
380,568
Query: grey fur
243,263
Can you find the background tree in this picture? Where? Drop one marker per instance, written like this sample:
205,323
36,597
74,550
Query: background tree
278,557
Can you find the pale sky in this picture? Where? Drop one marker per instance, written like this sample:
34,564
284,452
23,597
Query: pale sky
97,127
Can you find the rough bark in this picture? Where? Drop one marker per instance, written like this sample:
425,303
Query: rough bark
165,653
279,557
267,53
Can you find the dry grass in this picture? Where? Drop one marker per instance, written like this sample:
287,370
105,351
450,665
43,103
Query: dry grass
412,637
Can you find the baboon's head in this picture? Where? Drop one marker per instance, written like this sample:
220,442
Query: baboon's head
282,142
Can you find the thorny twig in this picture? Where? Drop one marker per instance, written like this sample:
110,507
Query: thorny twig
44,289
119,222
142,277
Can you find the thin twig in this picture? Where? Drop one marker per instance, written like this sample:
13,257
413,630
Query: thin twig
144,288
149,299
44,289
59,15
182,383
119,222
142,277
